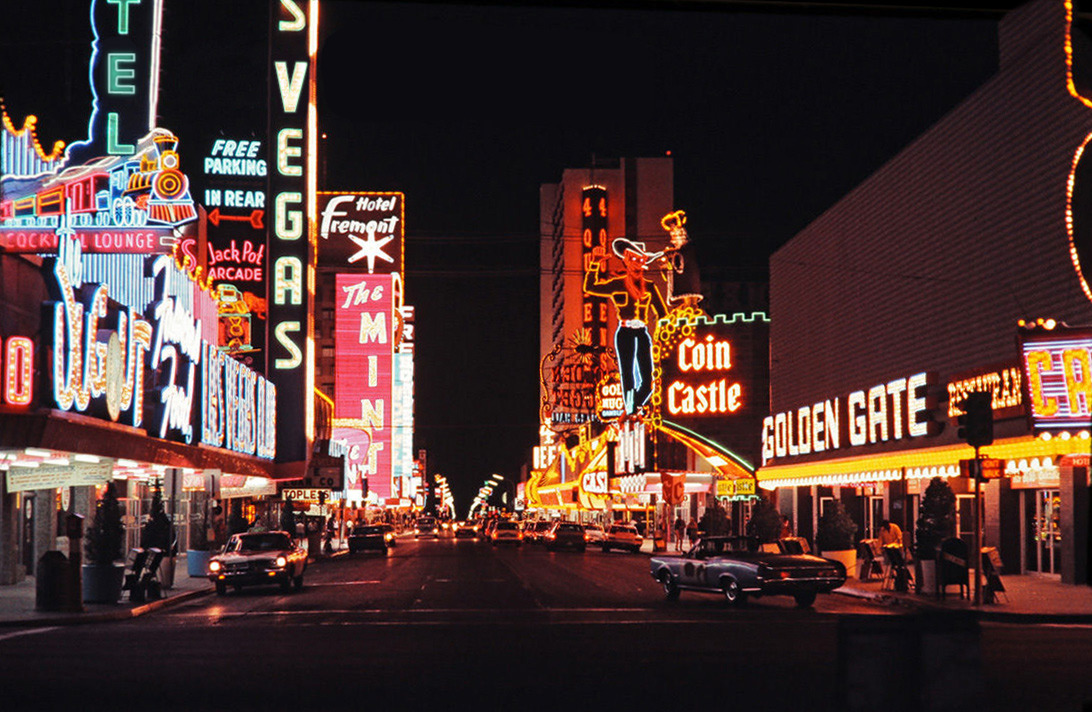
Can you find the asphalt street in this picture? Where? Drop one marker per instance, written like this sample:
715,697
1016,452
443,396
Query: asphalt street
446,623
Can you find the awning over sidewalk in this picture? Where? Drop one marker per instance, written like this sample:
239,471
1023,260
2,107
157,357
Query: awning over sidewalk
920,462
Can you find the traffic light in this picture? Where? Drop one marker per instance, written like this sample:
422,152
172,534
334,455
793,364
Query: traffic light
976,423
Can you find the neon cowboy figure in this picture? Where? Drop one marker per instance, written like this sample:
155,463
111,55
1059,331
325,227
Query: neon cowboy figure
639,303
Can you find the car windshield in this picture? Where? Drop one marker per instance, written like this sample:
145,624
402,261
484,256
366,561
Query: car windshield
542,526
569,528
426,523
623,530
261,542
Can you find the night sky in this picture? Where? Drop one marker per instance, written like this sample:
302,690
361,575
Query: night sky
771,117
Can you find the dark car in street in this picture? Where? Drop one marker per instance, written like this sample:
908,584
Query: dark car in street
736,567
258,558
426,526
565,535
467,529
371,537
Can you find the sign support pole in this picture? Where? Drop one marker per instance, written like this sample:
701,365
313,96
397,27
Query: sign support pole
976,472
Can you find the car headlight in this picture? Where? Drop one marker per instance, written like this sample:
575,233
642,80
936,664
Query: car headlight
214,566
280,562
389,537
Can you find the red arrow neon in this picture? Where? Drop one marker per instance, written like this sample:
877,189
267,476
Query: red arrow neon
255,218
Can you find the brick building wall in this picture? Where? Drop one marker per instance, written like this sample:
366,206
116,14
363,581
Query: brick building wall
929,263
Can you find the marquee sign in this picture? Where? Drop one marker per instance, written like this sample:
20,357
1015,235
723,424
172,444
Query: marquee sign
149,370
291,167
363,385
362,230
896,410
1057,368
122,189
571,375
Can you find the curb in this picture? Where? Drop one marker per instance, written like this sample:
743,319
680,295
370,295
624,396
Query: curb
105,616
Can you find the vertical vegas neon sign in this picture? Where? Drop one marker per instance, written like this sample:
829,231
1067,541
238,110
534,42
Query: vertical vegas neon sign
363,397
292,122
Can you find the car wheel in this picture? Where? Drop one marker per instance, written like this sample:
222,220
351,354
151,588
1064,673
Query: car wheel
804,599
671,589
582,549
221,588
636,550
297,582
732,592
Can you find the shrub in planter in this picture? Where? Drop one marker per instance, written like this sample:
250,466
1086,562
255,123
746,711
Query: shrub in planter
837,531
765,522
103,574
936,520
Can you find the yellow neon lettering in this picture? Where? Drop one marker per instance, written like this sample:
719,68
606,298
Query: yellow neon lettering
373,329
1039,361
288,223
285,152
291,87
372,414
1078,384
288,280
282,333
298,21
858,421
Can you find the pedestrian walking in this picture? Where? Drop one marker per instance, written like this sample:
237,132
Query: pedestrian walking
680,531
692,531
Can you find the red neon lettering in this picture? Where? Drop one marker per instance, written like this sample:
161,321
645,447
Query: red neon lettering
19,371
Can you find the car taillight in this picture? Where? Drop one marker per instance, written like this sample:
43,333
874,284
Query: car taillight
550,536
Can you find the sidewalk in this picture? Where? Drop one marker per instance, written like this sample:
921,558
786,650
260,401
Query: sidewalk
1027,598
17,602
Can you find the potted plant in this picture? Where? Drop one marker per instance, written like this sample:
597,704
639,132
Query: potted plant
103,574
765,522
936,522
836,535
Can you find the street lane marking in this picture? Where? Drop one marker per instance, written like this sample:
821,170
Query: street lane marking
33,631
342,583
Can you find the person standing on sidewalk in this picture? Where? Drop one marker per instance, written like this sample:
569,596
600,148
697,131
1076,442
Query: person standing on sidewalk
680,531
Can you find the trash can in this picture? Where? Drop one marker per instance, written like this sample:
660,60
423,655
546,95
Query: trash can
51,582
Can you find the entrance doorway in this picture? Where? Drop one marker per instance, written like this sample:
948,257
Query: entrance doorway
1044,531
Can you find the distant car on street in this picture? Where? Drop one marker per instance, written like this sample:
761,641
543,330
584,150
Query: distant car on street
535,532
507,532
371,537
426,526
466,529
622,536
736,567
593,533
566,535
255,559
